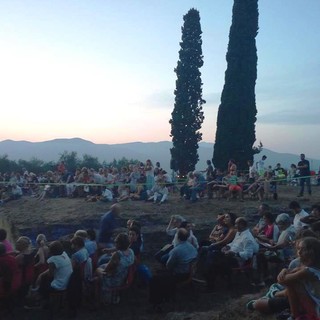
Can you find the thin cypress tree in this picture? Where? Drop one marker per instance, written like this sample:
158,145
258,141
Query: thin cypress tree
235,133
187,115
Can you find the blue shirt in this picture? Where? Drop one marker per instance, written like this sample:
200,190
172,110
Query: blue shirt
80,256
180,257
91,246
107,225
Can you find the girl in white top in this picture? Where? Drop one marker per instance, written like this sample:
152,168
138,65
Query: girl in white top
59,272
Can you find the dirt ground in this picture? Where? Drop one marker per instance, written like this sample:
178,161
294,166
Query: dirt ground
61,217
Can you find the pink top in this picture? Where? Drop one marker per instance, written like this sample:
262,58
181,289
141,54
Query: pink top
8,245
268,231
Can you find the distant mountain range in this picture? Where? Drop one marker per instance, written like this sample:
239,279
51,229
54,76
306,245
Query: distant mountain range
156,151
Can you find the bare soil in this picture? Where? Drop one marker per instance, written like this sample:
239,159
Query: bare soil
61,217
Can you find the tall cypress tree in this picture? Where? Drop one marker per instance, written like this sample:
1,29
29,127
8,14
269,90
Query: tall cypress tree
235,133
187,115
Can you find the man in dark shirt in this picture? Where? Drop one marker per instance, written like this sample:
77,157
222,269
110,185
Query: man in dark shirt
107,226
304,169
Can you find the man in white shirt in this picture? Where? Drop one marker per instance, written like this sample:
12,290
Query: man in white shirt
298,214
234,255
244,245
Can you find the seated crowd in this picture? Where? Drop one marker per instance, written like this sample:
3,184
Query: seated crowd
30,275
148,183
135,182
278,250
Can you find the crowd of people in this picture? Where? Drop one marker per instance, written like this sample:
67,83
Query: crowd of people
33,272
146,182
281,249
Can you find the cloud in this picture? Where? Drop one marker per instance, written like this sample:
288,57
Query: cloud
301,116
160,100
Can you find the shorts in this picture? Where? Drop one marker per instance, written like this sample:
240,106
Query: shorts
234,188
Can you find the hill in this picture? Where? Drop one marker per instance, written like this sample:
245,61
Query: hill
156,151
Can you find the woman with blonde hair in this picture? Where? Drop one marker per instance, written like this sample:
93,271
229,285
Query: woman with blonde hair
41,256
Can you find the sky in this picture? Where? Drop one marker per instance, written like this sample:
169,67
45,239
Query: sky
103,70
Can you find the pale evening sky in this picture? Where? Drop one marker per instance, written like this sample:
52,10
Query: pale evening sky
102,70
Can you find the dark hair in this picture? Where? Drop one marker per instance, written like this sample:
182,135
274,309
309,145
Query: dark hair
136,224
136,230
77,241
268,215
243,222
3,249
184,224
208,162
3,234
142,179
316,206
233,217
122,241
265,207
303,233
183,234
91,234
294,205
312,247
56,248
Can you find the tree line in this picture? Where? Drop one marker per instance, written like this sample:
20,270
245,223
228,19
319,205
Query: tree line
71,160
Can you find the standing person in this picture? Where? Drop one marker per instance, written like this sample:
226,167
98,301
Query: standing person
260,165
252,171
157,168
304,169
107,226
210,176
149,172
